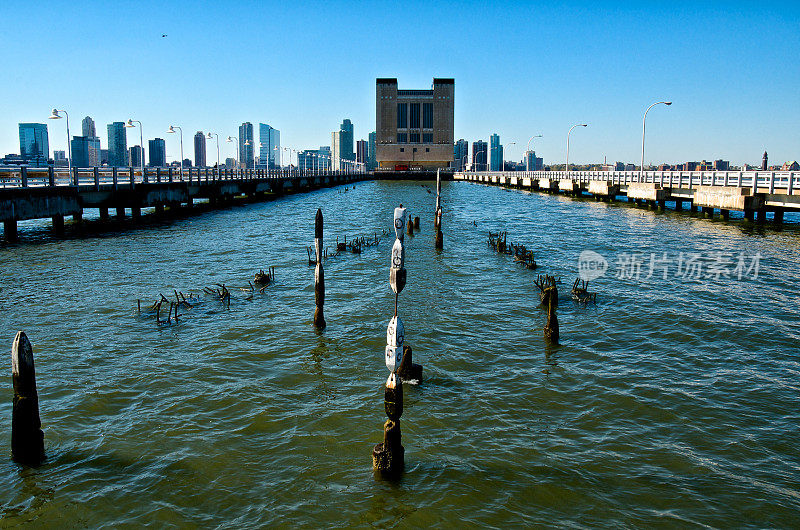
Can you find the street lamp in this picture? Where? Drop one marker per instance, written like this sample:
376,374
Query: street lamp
502,158
641,168
527,152
235,158
141,141
172,130
570,130
475,156
55,116
210,137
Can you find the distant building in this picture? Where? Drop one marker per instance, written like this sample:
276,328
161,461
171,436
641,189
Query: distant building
246,145
346,151
157,150
414,127
135,156
630,167
479,155
336,153
230,163
313,160
60,158
270,151
199,149
764,160
117,145
103,157
85,151
495,153
460,154
534,163
34,144
361,152
790,166
87,128
721,165
12,160
371,163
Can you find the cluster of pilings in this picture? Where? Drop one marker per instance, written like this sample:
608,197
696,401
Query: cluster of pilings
499,242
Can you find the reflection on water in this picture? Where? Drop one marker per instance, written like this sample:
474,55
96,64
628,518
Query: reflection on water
669,401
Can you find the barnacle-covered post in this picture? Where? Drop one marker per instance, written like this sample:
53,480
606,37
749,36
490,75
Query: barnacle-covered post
439,242
319,274
388,456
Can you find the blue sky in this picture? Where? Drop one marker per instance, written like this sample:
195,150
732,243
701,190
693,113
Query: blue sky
521,68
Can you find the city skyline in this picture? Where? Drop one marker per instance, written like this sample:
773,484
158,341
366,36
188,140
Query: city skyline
733,95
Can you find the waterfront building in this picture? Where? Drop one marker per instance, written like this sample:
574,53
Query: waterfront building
230,163
791,165
495,153
60,158
34,144
87,128
117,145
346,151
135,156
270,149
479,155
361,152
103,157
460,154
534,163
414,127
199,149
371,164
246,145
85,151
157,150
336,155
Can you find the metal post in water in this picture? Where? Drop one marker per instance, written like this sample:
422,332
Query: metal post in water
319,274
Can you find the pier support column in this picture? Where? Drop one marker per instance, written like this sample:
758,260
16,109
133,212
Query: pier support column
708,212
662,205
749,215
652,205
58,224
762,216
678,205
725,214
692,207
10,230
136,213
189,203
77,216
778,216
159,208
103,213
120,212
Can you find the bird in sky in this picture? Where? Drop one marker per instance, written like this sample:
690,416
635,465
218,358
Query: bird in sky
164,35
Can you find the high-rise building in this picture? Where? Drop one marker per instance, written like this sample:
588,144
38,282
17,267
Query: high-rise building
479,155
533,162
495,153
246,144
135,156
361,152
60,158
85,151
414,127
346,138
199,149
103,157
34,144
371,148
88,128
336,150
460,154
269,153
117,145
157,150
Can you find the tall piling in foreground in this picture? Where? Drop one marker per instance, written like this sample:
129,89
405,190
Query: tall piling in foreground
439,241
388,457
551,326
319,274
27,439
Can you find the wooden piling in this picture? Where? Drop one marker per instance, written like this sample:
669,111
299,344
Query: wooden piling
10,230
416,222
388,457
551,326
319,274
27,439
408,370
58,224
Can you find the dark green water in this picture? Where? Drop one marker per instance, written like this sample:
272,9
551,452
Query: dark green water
672,402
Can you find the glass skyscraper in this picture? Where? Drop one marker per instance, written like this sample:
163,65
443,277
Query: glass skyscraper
117,145
270,150
246,144
199,149
495,153
34,144
371,164
157,151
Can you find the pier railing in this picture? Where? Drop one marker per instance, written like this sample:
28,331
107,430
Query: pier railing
36,177
763,181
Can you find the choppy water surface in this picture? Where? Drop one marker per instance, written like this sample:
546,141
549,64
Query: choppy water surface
671,402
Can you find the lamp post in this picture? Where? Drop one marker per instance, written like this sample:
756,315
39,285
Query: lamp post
502,158
641,167
475,156
568,133
528,151
141,141
172,130
55,116
236,157
209,137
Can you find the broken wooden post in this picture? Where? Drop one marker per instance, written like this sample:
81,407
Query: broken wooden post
388,456
408,370
437,223
27,439
551,326
319,274
416,222
410,227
